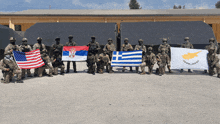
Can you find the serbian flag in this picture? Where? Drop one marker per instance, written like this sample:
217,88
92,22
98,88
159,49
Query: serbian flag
28,60
75,53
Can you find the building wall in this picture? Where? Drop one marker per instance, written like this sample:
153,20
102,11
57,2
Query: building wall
27,21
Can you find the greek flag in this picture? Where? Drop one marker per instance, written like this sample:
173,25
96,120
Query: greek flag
126,58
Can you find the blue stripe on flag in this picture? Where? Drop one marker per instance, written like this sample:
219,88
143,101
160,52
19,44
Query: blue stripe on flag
65,53
19,56
81,53
126,63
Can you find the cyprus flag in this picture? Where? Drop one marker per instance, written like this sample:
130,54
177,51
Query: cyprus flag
184,58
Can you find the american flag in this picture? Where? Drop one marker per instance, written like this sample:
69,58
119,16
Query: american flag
28,60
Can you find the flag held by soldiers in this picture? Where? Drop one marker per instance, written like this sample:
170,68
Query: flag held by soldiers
75,53
184,58
126,58
28,60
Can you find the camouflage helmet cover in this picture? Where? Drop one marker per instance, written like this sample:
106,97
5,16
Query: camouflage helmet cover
24,39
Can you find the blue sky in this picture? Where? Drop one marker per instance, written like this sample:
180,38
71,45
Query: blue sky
19,5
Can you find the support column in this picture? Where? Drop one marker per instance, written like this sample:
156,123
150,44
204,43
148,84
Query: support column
11,25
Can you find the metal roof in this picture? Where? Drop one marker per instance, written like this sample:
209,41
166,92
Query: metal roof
139,12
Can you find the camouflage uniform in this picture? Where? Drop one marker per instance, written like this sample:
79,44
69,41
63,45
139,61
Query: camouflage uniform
126,47
9,68
164,45
71,43
213,62
104,60
57,63
91,63
162,60
109,48
11,46
25,48
187,45
44,56
94,49
213,45
140,47
149,59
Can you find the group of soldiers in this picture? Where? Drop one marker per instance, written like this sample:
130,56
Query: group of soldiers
96,62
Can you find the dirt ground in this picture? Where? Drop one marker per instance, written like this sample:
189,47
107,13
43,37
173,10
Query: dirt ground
118,98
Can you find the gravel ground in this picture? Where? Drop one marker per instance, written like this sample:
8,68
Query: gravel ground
118,98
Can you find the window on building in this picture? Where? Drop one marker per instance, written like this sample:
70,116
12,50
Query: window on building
17,27
210,25
6,25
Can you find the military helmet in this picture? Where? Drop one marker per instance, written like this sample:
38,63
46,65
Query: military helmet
140,40
70,36
93,37
57,38
24,39
109,39
150,48
12,39
186,38
126,39
164,39
39,38
211,39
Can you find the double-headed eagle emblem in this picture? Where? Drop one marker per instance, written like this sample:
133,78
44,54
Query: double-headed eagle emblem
72,53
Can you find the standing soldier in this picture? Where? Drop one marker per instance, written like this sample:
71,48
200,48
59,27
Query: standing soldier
213,62
126,47
162,60
104,60
9,68
211,44
25,48
149,59
57,62
94,49
57,46
71,43
12,46
140,47
187,45
44,56
109,48
164,45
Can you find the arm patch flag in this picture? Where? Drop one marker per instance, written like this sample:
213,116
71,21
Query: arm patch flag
28,60
126,58
184,58
75,53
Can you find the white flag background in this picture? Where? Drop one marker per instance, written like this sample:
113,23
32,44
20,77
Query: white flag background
184,58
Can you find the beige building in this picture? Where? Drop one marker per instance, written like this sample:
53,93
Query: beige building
22,20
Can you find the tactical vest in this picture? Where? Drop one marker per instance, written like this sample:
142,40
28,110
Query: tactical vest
110,47
25,48
58,47
70,44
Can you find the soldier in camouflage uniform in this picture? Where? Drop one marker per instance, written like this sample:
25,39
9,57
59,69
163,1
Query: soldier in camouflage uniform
25,48
187,45
140,47
166,46
12,46
44,56
91,63
104,60
57,62
94,49
149,59
71,43
162,60
9,68
212,44
126,47
109,48
213,62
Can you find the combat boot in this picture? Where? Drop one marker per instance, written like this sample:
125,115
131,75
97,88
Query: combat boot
143,73
190,71
100,71
137,69
205,71
131,69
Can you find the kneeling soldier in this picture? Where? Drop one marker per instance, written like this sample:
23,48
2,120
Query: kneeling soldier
9,68
47,65
104,60
162,60
57,62
149,59
213,62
